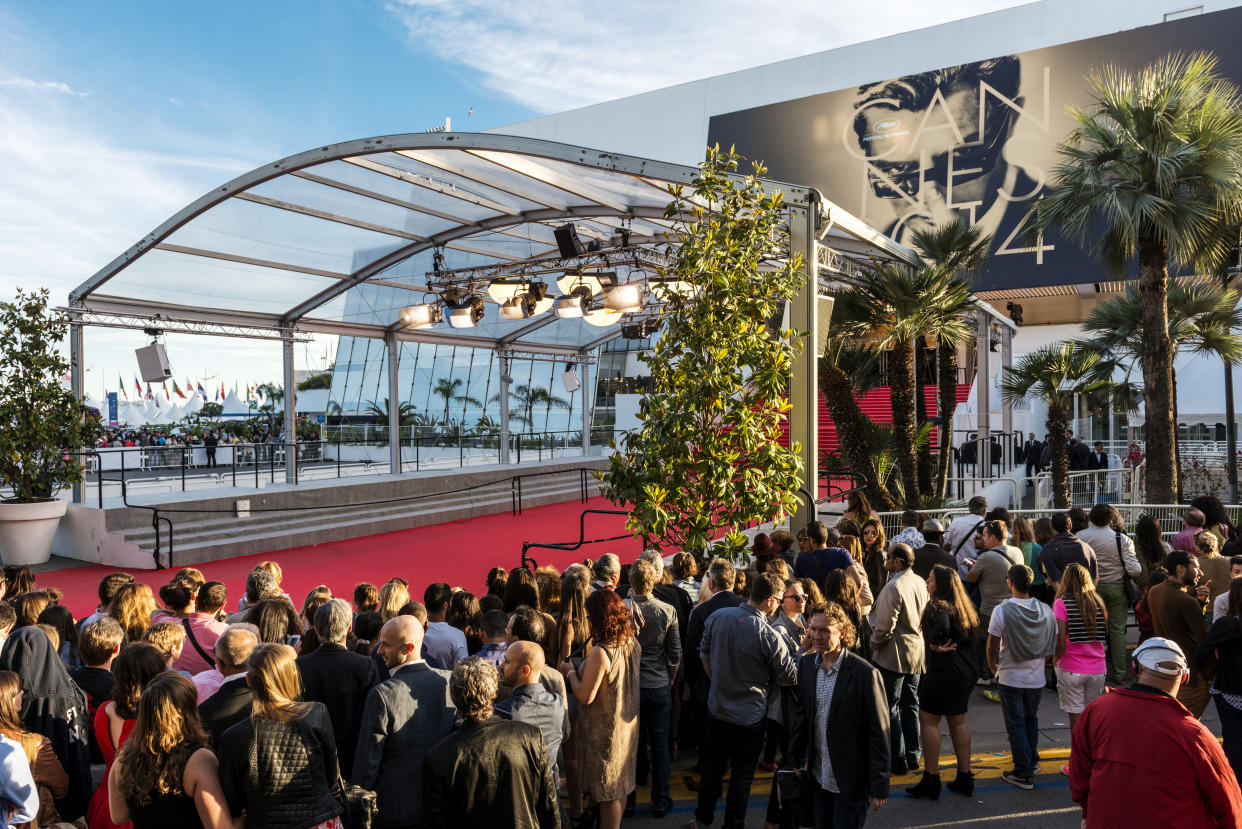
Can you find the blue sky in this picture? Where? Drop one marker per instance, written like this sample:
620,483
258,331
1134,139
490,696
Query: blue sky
115,115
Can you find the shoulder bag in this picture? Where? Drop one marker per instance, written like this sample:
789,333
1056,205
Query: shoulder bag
359,805
189,634
1133,593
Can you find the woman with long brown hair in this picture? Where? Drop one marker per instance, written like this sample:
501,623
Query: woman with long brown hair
280,765
135,667
49,775
465,615
841,589
132,606
574,634
874,556
1082,630
950,627
606,687
165,775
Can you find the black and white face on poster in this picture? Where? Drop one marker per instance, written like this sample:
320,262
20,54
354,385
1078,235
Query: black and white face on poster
975,141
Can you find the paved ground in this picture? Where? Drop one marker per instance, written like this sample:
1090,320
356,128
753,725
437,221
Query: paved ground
995,803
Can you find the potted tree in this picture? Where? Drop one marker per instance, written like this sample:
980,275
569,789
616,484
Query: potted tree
42,427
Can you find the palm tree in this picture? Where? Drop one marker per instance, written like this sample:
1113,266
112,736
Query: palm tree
899,306
527,396
957,250
447,388
847,369
405,413
1203,319
1152,170
1054,374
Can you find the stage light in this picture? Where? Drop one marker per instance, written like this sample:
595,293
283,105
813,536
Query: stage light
595,281
624,298
531,303
574,304
464,312
421,316
506,288
602,317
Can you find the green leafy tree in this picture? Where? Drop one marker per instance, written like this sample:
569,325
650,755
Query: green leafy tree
41,421
1055,374
898,307
706,457
956,250
210,411
323,380
1153,171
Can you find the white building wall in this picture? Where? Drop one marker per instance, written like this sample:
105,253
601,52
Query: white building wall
671,124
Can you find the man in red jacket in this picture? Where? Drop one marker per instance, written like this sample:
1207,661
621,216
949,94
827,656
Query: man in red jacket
1137,751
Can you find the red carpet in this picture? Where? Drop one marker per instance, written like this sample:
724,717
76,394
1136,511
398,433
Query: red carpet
457,552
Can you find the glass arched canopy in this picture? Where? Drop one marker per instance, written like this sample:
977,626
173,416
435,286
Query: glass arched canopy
282,246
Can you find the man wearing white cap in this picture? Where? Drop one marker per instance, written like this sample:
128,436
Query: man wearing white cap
1139,758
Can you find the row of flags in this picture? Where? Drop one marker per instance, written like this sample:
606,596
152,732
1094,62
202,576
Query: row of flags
252,392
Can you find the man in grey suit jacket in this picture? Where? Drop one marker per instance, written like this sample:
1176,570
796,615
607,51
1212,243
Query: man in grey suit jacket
897,649
403,717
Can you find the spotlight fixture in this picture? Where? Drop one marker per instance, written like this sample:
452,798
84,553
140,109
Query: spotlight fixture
624,298
464,312
602,317
421,316
575,303
533,302
640,329
503,289
596,281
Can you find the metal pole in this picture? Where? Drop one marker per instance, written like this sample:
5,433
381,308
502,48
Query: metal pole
1006,405
394,404
77,383
587,413
1231,429
291,423
983,398
804,388
505,380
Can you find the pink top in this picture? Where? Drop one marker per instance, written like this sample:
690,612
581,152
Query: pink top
205,630
1081,657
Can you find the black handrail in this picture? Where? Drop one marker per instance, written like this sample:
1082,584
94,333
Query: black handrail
516,486
582,539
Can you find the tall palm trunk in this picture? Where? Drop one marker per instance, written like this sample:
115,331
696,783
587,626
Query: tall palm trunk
1157,364
920,417
1177,443
901,376
946,382
851,426
1057,423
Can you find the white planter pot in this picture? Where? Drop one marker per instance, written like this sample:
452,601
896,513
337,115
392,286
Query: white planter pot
28,530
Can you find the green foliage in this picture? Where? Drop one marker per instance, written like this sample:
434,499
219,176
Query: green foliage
405,414
323,380
706,457
210,410
40,420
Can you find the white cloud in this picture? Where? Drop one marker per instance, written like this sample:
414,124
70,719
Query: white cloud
560,54
39,86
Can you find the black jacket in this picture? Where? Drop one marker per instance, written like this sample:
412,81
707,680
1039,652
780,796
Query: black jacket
858,722
493,773
228,706
404,716
1031,451
281,773
695,676
1220,654
680,600
340,679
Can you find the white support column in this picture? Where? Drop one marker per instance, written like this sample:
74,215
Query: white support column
505,380
77,382
587,401
983,394
804,388
1006,406
394,404
291,421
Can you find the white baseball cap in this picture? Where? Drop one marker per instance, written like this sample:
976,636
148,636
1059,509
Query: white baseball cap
1161,656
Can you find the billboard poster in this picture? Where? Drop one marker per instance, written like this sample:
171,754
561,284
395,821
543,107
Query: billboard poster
113,417
975,141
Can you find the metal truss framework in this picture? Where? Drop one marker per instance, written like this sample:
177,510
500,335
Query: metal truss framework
164,324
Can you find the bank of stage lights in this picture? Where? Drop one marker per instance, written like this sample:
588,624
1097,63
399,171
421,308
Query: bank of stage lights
594,297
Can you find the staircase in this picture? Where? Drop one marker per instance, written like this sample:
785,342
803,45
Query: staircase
210,530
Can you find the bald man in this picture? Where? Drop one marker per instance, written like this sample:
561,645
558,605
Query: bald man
403,716
530,701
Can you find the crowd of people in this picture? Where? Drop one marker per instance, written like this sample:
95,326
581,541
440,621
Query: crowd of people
832,659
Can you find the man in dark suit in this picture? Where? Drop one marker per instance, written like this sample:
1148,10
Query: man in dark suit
1030,453
403,717
339,678
720,579
1079,455
1099,458
230,704
850,771
491,771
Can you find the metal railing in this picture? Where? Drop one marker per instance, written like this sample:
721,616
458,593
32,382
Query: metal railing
1111,486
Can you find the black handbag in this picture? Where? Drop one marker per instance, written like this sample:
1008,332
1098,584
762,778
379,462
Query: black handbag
1133,593
359,805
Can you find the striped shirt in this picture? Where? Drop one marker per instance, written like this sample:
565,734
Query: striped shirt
1075,627
825,684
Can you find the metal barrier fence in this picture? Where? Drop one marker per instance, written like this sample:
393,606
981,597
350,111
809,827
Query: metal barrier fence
1169,516
1111,486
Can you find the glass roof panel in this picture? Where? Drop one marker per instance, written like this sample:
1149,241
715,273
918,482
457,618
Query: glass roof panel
257,231
478,174
306,193
181,279
589,183
430,200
